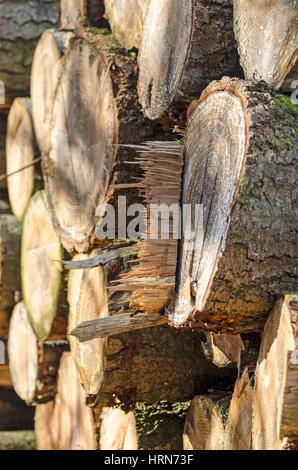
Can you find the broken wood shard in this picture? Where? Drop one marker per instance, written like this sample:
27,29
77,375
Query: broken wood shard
152,279
117,324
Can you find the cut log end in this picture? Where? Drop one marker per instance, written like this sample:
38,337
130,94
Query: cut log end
126,20
268,50
84,98
41,277
87,299
33,364
72,421
162,60
20,152
215,150
46,69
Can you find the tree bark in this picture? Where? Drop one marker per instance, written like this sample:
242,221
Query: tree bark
126,18
21,151
185,45
10,244
240,166
76,178
21,24
78,13
266,33
42,278
45,72
275,399
33,364
117,430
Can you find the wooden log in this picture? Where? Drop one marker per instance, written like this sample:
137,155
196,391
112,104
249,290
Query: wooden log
88,299
97,80
266,33
117,324
117,430
223,349
275,392
45,72
21,152
42,281
33,364
238,429
72,421
185,44
142,365
239,167
10,244
15,415
21,24
126,18
289,428
204,427
43,426
78,13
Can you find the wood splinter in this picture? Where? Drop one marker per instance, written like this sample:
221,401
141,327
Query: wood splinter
116,324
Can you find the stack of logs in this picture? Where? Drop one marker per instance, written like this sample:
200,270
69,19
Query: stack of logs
171,102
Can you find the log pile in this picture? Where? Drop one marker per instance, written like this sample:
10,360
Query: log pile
130,103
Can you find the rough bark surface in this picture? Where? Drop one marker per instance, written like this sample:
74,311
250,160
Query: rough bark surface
21,24
267,38
256,256
157,364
